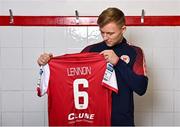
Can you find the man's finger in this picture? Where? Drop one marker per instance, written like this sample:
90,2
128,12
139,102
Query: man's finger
50,55
102,52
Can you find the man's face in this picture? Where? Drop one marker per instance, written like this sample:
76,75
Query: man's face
112,34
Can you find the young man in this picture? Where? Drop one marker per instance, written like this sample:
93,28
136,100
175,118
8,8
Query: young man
128,61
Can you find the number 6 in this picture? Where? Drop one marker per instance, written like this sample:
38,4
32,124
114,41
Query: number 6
78,93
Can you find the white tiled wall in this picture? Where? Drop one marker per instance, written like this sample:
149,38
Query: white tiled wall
160,104
20,47
19,50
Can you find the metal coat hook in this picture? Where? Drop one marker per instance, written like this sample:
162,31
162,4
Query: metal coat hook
77,17
11,17
142,16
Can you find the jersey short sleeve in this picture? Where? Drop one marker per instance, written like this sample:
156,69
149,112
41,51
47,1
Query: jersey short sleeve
44,74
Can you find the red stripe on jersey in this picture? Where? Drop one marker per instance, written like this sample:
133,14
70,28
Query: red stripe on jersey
109,87
139,65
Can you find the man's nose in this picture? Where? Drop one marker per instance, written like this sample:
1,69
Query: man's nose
105,37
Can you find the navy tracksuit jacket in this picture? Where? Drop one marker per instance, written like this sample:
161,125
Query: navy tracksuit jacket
131,77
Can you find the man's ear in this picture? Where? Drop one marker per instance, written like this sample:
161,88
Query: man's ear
123,28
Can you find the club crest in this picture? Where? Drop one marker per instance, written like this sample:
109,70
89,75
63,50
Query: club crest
125,58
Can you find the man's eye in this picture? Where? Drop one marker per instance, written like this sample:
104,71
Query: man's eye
107,33
102,32
110,33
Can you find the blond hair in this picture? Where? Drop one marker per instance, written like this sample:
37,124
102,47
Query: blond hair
111,15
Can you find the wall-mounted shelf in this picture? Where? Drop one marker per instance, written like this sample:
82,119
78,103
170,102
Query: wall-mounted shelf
85,21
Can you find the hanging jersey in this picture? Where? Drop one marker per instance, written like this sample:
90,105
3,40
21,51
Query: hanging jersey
79,88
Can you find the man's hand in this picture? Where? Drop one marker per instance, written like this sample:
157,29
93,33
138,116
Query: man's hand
44,58
110,56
